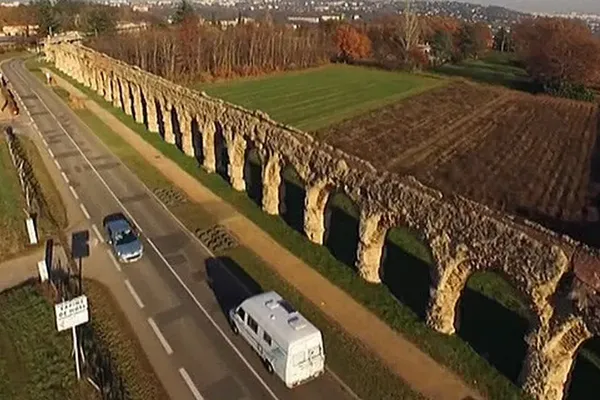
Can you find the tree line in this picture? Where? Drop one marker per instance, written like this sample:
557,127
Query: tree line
562,56
191,52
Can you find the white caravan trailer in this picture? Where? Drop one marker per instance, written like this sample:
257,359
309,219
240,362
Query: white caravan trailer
288,343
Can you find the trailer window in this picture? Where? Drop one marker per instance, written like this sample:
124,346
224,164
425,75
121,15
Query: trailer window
252,324
267,338
241,313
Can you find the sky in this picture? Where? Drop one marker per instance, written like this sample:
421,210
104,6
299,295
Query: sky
546,6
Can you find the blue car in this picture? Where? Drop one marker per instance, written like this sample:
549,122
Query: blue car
123,239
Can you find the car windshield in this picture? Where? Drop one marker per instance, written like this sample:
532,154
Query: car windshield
125,237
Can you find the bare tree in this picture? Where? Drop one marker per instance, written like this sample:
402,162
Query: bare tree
410,29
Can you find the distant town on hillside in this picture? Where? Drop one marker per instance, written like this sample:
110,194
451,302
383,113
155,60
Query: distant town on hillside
316,10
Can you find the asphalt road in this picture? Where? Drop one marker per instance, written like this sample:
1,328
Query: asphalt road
170,282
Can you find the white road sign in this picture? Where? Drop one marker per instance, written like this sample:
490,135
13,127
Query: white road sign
71,313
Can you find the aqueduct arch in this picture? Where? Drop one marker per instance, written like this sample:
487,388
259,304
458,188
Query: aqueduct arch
462,234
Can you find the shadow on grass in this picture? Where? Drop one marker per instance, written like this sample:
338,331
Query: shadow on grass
494,71
176,126
291,203
253,176
407,277
221,155
341,229
160,119
584,382
495,332
229,282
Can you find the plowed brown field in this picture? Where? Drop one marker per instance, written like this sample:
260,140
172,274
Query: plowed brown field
524,154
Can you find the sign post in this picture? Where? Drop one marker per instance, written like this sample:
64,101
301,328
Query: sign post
43,270
76,352
70,314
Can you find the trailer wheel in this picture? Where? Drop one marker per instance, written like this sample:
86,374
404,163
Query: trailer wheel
234,328
269,367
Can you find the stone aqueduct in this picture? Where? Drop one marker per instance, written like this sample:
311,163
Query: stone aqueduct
464,236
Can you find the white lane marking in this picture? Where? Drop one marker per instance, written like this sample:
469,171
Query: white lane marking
65,177
160,336
177,277
134,295
84,210
73,192
97,232
57,164
190,384
114,260
43,140
50,152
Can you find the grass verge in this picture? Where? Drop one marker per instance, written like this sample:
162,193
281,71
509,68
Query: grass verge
450,351
13,233
354,363
35,361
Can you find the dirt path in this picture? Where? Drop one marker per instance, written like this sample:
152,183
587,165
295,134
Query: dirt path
419,370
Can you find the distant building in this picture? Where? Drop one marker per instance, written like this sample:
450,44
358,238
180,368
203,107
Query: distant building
131,26
19,30
310,20
233,22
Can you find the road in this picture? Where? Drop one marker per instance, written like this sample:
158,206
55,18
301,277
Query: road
170,282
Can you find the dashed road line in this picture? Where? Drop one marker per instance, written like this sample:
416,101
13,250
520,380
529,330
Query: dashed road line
57,164
160,336
65,177
50,152
97,232
190,384
73,192
135,296
84,210
114,260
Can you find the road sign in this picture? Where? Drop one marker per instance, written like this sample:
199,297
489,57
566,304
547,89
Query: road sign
71,313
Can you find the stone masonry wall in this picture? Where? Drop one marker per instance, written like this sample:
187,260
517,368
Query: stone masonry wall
464,236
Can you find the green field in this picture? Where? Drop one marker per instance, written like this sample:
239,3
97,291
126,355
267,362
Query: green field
495,68
35,359
315,98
